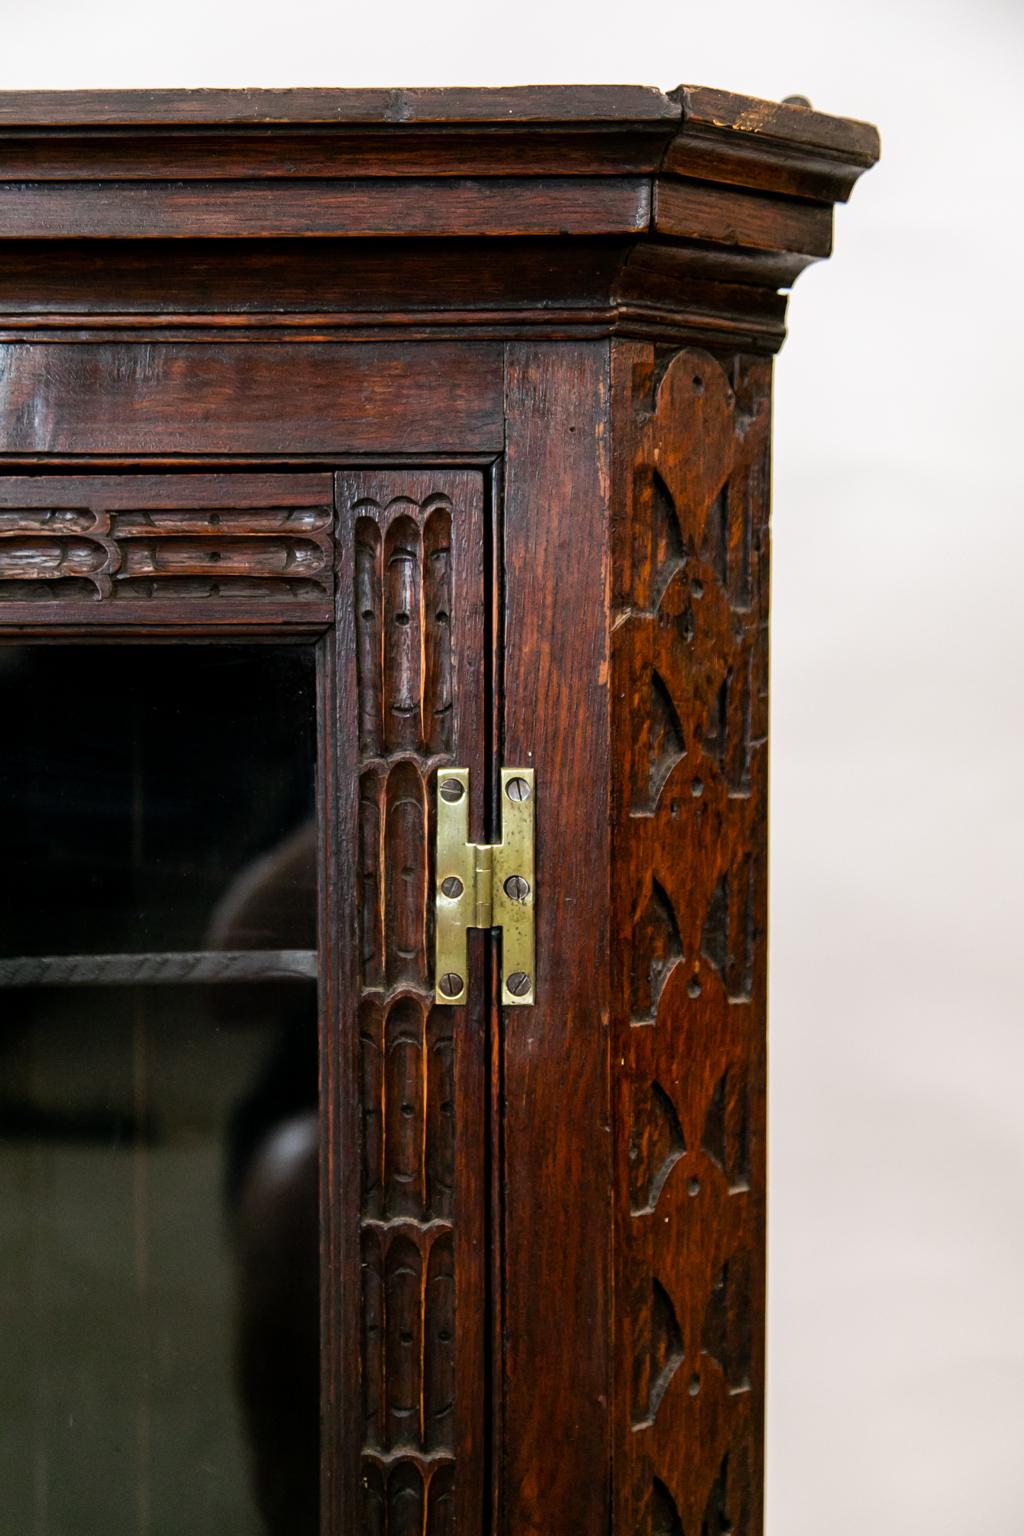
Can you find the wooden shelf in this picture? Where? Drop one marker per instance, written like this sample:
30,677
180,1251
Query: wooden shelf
163,969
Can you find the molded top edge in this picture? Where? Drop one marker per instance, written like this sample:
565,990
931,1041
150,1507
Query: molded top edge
436,107
708,110
699,108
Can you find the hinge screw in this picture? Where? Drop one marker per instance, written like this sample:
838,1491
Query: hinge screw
450,984
517,790
518,984
516,888
451,790
452,886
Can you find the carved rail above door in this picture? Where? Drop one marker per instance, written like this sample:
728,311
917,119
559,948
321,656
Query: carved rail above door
200,549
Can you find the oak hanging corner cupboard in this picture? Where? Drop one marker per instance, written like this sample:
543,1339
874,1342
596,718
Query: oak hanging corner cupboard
384,600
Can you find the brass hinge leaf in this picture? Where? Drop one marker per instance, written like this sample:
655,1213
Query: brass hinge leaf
485,885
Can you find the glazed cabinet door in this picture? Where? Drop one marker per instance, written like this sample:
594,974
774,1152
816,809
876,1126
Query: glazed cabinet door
242,1151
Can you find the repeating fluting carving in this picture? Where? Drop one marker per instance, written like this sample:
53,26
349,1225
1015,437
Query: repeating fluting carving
408,1108
403,602
689,685
405,1499
403,595
69,538
409,1324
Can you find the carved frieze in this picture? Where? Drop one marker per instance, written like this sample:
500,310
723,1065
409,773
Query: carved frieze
109,539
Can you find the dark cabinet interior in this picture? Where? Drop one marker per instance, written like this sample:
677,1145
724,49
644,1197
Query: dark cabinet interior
158,1108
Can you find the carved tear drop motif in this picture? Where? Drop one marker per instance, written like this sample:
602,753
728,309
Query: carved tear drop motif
658,949
655,1146
222,538
662,1517
414,562
689,690
665,1354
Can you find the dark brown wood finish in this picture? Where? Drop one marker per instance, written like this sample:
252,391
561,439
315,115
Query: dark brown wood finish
688,210
411,580
475,387
689,674
451,107
135,399
370,208
557,1163
322,289
780,146
656,529
75,543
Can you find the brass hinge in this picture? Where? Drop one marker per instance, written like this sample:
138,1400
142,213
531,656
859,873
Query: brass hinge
484,885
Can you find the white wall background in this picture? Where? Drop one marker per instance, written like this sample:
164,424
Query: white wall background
897,1152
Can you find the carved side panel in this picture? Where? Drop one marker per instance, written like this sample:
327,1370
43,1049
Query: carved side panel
411,558
102,539
689,689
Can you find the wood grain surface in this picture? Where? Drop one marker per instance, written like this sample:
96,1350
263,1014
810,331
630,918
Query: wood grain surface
557,1168
689,681
474,386
452,105
228,398
411,1232
576,205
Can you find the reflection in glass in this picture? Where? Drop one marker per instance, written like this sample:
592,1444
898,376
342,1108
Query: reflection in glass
158,1064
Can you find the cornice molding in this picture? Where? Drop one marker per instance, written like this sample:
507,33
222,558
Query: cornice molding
700,187
776,146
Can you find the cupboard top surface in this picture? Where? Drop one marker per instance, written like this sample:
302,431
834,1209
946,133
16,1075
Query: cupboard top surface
438,106
326,105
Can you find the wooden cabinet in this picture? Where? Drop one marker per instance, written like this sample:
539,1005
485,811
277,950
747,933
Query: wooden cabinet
346,439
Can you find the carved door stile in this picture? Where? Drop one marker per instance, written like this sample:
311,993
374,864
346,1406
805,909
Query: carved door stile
413,695
689,725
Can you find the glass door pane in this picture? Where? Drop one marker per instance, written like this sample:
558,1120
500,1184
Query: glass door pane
158,1091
